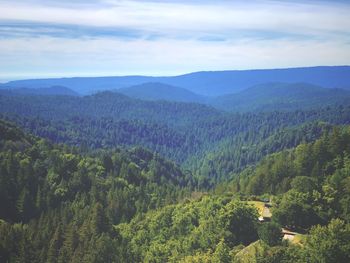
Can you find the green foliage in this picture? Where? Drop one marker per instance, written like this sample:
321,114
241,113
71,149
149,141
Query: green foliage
329,243
313,179
251,253
221,253
210,143
304,184
68,202
270,233
192,228
296,211
239,223
64,204
282,254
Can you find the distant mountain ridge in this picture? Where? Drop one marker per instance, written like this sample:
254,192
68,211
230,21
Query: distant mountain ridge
207,83
53,90
159,91
262,97
281,96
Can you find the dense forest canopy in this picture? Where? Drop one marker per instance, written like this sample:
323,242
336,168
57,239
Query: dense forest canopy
180,131
210,143
110,178
116,206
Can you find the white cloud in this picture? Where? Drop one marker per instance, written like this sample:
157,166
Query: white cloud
167,18
259,34
56,56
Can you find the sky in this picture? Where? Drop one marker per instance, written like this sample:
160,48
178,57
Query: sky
46,38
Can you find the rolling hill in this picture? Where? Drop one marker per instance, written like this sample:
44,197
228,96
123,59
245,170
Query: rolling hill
208,83
201,138
281,96
159,91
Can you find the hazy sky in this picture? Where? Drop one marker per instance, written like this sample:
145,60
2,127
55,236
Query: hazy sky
46,38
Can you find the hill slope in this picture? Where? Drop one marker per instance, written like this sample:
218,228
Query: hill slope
214,83
199,137
61,192
282,96
159,91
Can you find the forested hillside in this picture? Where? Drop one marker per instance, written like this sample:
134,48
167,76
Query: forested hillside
233,155
56,204
210,143
310,185
148,131
79,205
281,97
159,91
108,178
312,181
